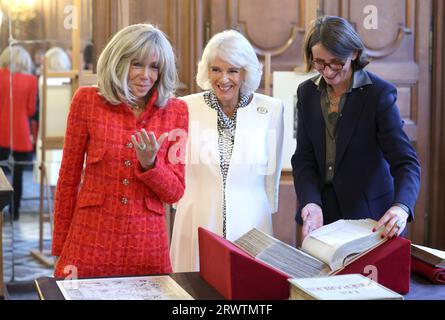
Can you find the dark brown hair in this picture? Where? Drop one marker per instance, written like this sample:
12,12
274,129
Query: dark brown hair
338,36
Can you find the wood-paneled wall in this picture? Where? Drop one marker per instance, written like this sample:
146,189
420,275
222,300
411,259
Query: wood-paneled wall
181,20
399,47
436,236
50,25
267,24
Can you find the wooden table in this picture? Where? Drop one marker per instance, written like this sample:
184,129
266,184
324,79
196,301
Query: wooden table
6,192
420,289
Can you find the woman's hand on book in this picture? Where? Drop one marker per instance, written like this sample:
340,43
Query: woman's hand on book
312,216
394,221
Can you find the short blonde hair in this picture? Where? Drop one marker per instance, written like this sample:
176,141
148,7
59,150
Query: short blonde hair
136,42
58,59
16,59
232,47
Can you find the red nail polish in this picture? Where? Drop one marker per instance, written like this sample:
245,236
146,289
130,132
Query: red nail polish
382,236
373,230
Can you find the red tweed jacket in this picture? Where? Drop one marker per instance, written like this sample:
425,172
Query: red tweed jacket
24,94
111,222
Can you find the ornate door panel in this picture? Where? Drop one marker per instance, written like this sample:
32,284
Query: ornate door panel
396,34
276,26
181,20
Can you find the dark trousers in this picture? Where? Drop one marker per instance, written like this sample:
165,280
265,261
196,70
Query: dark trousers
17,177
331,208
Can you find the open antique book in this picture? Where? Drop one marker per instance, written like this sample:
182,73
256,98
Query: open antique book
433,257
324,251
340,287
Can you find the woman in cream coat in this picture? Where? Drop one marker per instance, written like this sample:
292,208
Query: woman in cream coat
234,151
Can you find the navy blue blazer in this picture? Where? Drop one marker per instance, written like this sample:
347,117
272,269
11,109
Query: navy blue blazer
375,166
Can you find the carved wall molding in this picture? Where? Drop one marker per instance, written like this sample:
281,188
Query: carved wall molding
390,49
404,28
242,26
272,51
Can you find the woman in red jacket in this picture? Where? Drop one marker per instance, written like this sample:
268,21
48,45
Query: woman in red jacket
15,134
132,131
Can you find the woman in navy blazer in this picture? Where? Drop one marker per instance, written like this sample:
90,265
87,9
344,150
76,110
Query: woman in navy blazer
353,160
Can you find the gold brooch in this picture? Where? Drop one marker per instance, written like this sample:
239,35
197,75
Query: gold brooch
262,110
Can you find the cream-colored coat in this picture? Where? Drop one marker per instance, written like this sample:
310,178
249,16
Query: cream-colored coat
252,180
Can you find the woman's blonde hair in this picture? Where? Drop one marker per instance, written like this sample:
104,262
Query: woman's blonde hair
58,59
136,42
16,59
232,47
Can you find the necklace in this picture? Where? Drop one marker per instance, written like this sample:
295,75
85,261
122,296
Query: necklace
333,102
136,108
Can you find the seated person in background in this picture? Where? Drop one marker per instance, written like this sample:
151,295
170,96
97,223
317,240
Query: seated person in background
88,57
353,160
38,62
234,163
130,127
15,137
